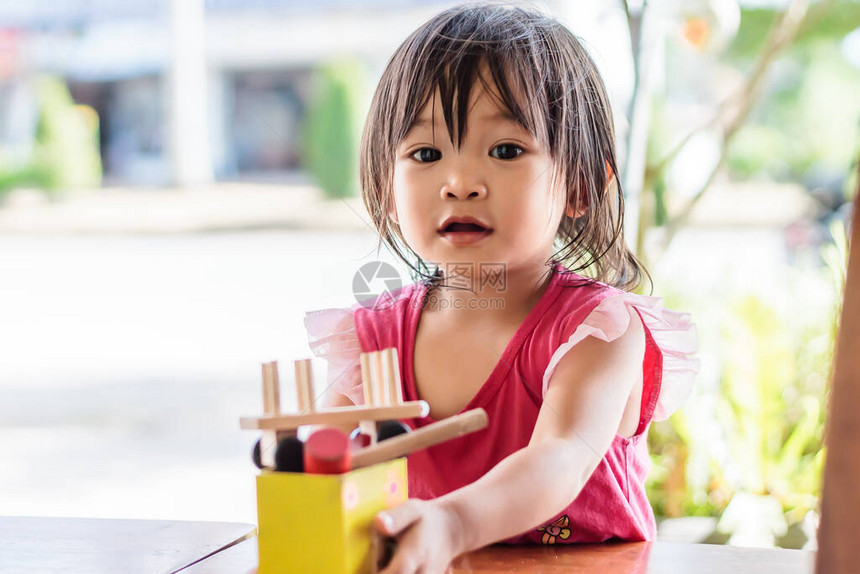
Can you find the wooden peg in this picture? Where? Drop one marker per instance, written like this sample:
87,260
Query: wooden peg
392,378
304,386
366,381
377,376
271,407
367,427
385,376
271,389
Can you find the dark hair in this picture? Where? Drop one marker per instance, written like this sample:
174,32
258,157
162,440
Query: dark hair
564,104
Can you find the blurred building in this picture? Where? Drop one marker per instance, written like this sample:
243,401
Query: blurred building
256,64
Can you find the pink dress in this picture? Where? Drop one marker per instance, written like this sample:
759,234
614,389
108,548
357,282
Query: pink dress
612,504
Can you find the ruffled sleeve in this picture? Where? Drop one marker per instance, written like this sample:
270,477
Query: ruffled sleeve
672,331
332,336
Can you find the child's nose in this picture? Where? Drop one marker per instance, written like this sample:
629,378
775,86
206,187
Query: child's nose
461,188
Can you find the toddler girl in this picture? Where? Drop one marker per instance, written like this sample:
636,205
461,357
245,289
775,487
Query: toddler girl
488,166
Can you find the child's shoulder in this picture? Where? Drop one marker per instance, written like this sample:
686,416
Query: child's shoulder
382,308
579,287
595,309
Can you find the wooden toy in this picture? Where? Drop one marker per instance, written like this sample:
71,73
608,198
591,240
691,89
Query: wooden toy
271,407
321,520
446,429
290,455
358,439
327,452
389,429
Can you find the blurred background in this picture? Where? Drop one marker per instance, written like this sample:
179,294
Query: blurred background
178,186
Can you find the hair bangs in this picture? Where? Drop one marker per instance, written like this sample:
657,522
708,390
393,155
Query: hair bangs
452,63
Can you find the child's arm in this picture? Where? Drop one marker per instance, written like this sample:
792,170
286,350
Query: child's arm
580,416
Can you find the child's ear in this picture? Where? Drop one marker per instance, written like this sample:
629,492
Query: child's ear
571,210
575,211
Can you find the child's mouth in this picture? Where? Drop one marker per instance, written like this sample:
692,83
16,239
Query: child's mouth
464,233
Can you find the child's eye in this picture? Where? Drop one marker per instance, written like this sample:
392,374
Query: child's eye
426,155
507,151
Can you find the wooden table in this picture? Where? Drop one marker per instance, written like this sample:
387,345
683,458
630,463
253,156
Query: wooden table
92,546
626,558
72,545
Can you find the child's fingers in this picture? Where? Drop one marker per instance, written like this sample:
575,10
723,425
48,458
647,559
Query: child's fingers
395,520
406,558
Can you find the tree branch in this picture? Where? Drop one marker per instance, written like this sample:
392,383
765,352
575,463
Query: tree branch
780,36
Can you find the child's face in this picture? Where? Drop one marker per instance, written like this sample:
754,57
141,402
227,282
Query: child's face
501,176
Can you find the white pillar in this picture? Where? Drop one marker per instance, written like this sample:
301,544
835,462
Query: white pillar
187,143
647,62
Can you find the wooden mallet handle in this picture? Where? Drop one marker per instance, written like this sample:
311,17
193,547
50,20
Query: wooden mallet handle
452,427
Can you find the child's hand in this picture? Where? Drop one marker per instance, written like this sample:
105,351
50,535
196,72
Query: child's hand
427,537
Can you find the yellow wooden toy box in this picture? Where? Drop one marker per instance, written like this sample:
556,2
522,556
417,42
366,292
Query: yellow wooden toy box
322,523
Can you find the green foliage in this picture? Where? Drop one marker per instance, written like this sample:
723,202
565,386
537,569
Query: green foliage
13,176
827,21
331,134
654,210
66,151
772,403
809,117
758,427
674,488
752,34
807,114
763,432
757,150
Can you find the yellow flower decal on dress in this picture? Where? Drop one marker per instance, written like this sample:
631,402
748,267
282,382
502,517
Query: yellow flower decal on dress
556,530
